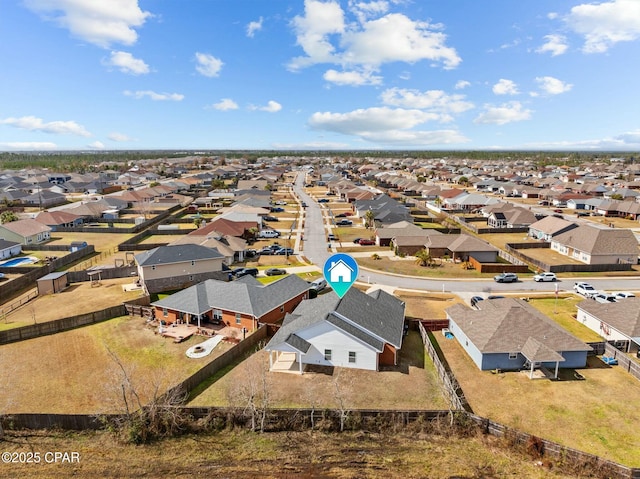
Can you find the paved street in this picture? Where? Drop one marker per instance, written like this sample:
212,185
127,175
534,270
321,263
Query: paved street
316,250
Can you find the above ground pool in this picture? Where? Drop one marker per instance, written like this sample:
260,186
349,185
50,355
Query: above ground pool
23,260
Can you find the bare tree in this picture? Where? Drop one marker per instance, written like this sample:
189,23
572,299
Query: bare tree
148,408
253,394
341,394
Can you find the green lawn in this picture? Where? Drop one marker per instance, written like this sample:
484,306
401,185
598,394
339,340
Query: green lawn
562,311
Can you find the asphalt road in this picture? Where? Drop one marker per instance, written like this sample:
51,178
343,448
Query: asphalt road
316,250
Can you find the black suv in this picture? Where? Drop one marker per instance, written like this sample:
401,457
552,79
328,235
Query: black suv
245,271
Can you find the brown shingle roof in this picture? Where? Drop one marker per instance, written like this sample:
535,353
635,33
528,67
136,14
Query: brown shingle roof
596,241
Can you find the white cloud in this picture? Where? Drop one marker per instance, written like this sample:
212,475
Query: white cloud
28,145
271,107
99,22
353,78
32,123
120,137
554,44
371,43
553,86
154,96
254,27
365,10
126,63
385,126
462,84
321,19
605,24
225,104
503,114
96,145
505,87
435,101
208,65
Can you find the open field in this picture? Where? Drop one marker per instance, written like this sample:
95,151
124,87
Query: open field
304,455
598,415
411,385
410,268
73,372
101,241
79,298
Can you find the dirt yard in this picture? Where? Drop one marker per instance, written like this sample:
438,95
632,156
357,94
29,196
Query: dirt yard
598,415
73,372
79,298
411,385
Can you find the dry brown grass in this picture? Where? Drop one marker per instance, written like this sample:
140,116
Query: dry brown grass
427,305
303,455
72,372
408,267
411,385
598,415
101,241
79,298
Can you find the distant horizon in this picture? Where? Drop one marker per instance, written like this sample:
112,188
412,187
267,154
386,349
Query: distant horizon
319,75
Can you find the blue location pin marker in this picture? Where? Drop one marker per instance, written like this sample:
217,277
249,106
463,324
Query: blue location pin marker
340,271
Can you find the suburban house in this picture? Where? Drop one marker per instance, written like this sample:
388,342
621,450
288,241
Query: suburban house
58,219
511,217
461,247
385,234
598,245
510,334
178,266
25,232
550,226
9,249
359,330
231,247
618,322
244,303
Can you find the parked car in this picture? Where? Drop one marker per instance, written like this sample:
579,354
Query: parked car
304,205
342,215
585,289
366,242
344,223
275,272
284,251
557,210
318,284
357,240
281,202
332,237
543,203
323,200
246,271
270,218
623,294
506,278
604,298
276,209
493,296
545,277
268,234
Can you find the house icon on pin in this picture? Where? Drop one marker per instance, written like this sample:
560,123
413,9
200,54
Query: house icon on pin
340,272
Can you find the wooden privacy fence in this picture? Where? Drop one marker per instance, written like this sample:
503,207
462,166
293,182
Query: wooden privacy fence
60,325
624,361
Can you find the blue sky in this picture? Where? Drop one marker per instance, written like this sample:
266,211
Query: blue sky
285,74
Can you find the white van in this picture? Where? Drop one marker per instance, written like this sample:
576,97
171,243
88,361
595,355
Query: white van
318,284
268,234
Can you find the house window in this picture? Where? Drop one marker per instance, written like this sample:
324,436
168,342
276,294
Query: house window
327,355
238,318
165,312
513,355
217,314
352,356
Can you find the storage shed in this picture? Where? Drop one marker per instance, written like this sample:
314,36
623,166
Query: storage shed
52,283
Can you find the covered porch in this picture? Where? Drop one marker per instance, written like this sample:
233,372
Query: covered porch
537,353
286,362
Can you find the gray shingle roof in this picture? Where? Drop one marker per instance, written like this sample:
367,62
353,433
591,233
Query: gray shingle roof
505,325
375,318
176,254
246,295
623,315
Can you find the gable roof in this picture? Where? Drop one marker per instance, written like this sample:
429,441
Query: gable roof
600,241
623,315
552,225
245,295
26,227
176,254
375,318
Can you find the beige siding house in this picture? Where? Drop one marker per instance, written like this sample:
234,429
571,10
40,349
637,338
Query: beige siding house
594,245
25,232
